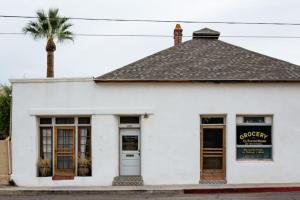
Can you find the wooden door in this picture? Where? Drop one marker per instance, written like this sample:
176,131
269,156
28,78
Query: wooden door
64,151
213,152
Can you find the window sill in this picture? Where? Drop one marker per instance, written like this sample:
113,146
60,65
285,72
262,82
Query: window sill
57,178
255,161
68,177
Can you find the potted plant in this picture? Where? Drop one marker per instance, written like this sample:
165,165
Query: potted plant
44,167
84,166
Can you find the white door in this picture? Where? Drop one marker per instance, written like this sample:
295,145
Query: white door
130,158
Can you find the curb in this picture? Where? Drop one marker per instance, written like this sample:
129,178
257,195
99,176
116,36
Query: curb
74,192
242,190
32,192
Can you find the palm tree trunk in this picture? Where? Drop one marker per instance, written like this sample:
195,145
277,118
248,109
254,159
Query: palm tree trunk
50,48
50,64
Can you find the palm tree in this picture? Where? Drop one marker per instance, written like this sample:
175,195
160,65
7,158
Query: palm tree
50,26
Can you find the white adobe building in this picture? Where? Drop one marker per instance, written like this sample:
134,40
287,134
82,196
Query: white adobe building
201,111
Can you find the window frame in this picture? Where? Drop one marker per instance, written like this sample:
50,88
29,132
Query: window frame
76,126
41,145
89,135
268,121
129,125
213,116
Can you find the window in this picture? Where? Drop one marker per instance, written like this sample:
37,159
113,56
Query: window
254,119
130,143
59,133
64,120
84,142
46,146
129,120
254,137
84,120
45,120
212,120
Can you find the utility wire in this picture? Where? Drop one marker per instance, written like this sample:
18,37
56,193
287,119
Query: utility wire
166,36
163,21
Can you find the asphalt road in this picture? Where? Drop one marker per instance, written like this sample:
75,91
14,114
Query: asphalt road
240,196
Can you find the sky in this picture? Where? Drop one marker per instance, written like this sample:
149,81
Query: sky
23,57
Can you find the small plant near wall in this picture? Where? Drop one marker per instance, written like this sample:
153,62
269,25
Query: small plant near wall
5,105
84,167
44,167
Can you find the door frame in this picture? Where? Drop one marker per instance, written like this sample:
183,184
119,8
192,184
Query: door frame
223,171
139,148
129,126
55,169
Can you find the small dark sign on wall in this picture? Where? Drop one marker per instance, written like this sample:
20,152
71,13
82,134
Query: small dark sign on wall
252,142
254,135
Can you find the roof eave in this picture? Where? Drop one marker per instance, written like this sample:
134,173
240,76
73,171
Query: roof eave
193,81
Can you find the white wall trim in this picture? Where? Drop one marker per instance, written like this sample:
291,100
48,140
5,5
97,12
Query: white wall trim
48,80
89,111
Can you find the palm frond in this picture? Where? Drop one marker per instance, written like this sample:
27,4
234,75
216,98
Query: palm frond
32,28
41,16
53,20
65,27
53,13
49,25
63,20
66,35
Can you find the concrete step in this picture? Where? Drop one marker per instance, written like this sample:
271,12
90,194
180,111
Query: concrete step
128,181
212,182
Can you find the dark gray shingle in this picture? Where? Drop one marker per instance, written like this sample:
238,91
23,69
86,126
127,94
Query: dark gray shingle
206,59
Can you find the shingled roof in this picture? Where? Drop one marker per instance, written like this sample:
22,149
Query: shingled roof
205,58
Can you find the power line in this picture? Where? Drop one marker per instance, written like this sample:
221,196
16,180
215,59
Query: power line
11,33
261,36
166,36
163,21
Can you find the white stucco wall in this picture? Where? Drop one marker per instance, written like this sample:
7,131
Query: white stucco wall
170,136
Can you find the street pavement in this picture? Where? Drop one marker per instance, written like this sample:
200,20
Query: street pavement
233,196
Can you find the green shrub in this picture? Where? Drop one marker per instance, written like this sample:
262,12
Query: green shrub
5,106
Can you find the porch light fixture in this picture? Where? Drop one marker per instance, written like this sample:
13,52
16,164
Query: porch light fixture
146,115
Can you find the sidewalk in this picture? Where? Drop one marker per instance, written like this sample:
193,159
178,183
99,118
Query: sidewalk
157,189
